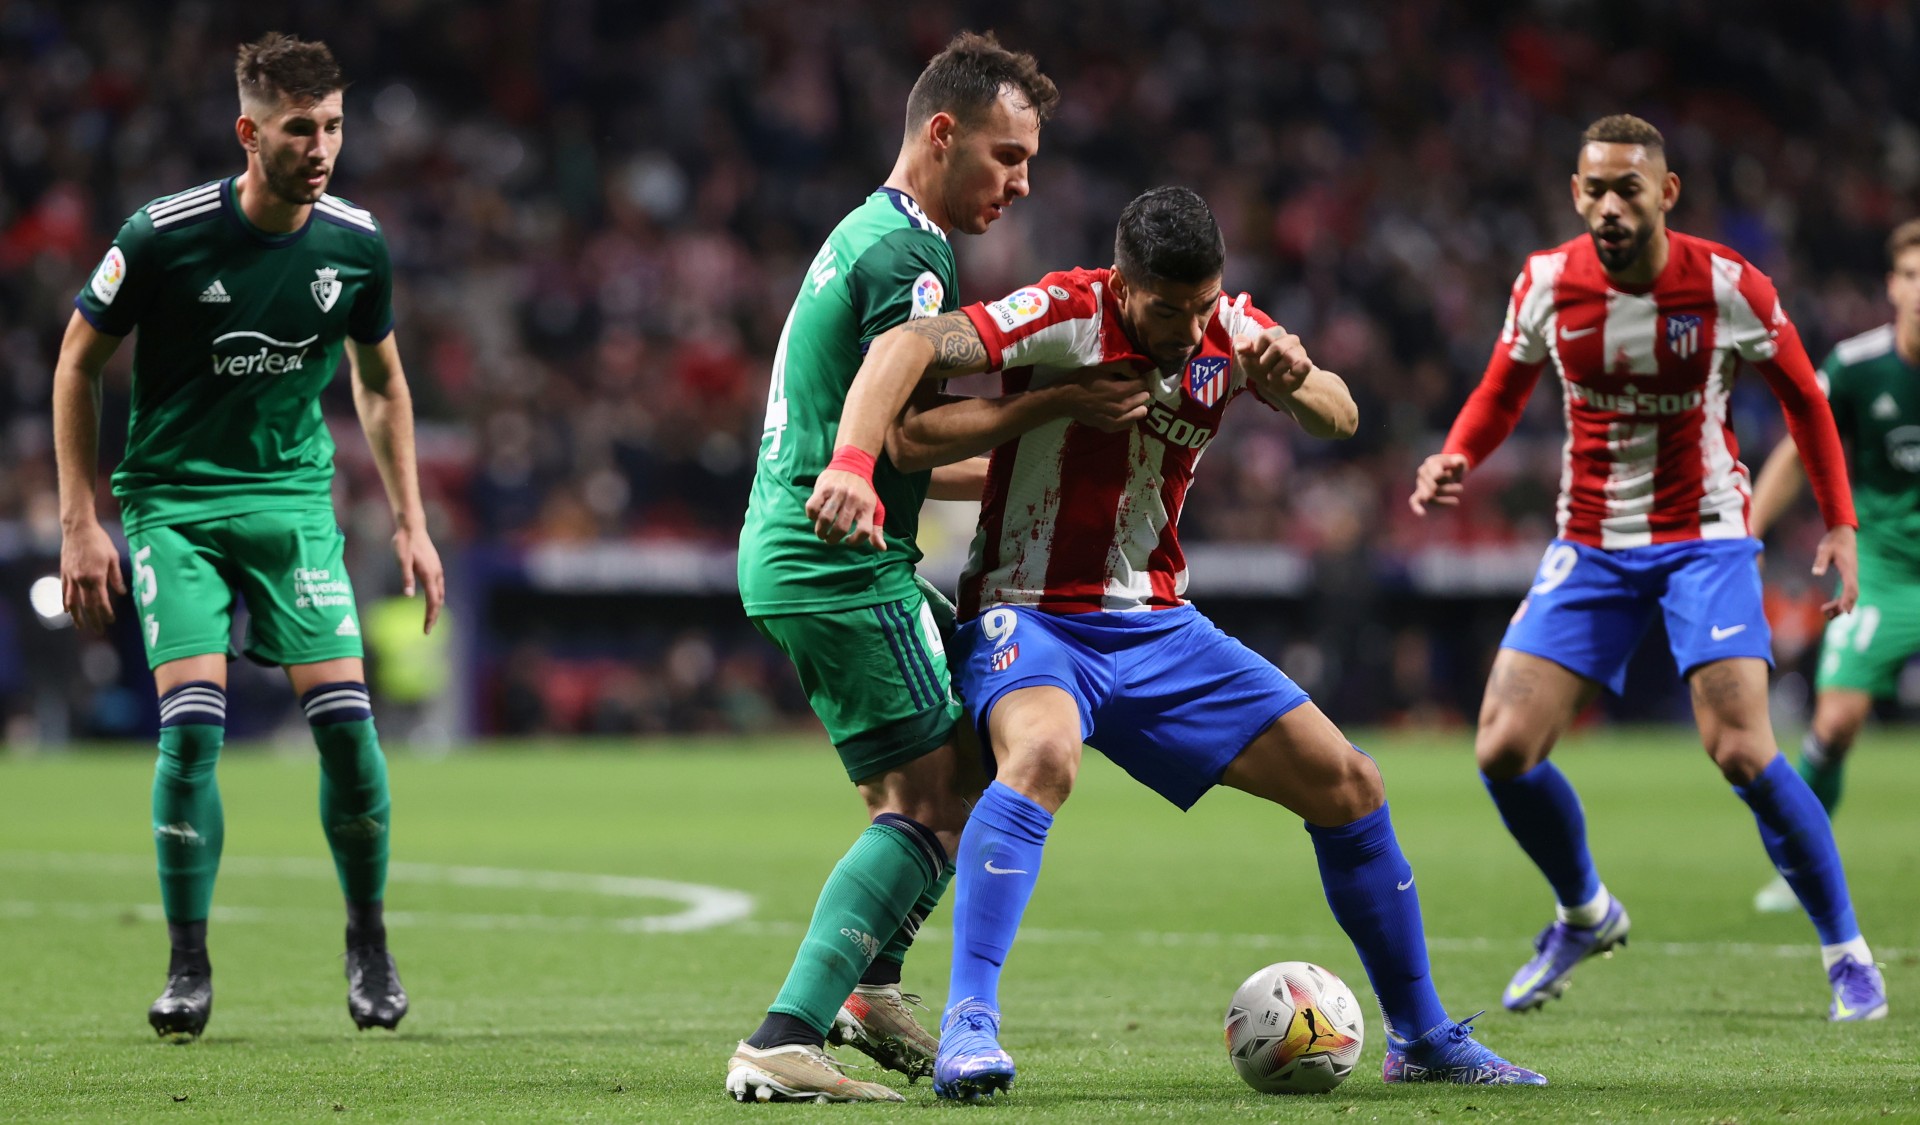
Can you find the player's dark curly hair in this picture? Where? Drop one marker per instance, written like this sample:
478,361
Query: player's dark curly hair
277,66
1624,129
967,78
1168,234
1905,237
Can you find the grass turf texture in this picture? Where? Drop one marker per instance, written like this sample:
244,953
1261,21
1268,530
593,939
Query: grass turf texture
533,1004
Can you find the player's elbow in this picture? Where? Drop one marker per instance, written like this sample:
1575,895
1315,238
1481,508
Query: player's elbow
907,454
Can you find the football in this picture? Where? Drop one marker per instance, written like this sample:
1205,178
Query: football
1294,1028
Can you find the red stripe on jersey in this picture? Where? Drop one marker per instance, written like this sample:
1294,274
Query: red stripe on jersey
993,503
1093,474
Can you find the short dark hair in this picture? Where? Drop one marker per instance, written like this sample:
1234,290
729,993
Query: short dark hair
1624,129
277,66
1168,234
968,76
1905,237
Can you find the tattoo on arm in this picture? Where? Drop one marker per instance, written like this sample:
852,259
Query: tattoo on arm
956,343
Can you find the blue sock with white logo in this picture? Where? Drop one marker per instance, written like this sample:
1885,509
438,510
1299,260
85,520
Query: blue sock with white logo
1369,885
998,866
1543,812
1799,840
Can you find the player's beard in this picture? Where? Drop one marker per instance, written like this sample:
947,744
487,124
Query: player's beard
1620,258
290,183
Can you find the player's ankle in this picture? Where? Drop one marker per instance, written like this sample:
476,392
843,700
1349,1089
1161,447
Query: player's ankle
1588,914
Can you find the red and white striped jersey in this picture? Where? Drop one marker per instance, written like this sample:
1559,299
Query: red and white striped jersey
1650,455
1077,520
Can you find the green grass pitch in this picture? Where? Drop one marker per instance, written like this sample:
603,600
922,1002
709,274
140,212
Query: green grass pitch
541,993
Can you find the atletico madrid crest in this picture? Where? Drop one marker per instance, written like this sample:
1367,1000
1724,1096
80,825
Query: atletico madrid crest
1683,335
1206,379
1004,658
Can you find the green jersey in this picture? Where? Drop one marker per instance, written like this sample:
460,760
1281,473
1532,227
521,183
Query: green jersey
240,330
1876,405
884,263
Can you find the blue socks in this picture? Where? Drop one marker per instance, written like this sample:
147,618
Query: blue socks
998,865
1543,812
1369,885
1799,839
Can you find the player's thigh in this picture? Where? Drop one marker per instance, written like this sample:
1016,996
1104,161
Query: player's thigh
181,593
1304,763
1730,706
1030,683
1035,733
1193,699
876,676
1530,702
1714,605
342,670
1838,715
292,569
1586,611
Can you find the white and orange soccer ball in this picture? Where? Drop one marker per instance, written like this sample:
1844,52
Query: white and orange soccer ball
1294,1028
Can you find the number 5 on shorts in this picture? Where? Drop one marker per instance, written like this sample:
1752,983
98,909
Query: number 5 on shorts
147,585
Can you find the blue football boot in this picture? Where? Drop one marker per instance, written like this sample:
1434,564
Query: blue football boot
1448,1053
1859,993
1557,950
971,1064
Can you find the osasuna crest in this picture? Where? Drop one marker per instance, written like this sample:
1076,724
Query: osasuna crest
1683,335
1207,379
326,290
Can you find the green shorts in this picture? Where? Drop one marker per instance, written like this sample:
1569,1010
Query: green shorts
1865,650
877,678
290,566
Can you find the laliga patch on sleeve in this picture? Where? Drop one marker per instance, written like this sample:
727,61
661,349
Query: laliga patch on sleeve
1022,306
112,272
928,295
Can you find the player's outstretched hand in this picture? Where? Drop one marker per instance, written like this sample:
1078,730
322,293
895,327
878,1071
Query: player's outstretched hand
844,506
1110,398
90,576
1838,551
1275,361
420,569
1441,480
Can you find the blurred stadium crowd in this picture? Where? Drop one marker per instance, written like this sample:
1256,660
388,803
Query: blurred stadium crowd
599,213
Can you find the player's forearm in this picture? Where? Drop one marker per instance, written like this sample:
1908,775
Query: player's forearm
895,364
1777,487
76,441
966,480
1494,408
960,428
386,416
1810,424
1324,406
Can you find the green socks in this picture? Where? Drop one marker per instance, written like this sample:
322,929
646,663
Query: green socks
1823,774
873,901
354,806
895,951
188,825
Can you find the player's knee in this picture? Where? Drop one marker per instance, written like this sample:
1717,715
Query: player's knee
1041,766
1361,790
1503,751
1741,756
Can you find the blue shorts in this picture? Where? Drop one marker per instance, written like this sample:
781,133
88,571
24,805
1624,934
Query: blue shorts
1589,608
1165,694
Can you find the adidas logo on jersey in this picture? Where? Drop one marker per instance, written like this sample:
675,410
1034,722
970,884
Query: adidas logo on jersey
215,294
1884,407
347,628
